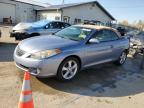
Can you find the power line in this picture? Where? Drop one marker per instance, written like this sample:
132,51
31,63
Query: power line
128,7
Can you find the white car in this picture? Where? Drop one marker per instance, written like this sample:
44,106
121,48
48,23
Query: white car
44,27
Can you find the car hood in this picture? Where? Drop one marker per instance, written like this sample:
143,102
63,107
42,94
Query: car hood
22,26
41,43
29,26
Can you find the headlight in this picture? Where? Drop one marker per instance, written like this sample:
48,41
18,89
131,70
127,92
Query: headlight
45,54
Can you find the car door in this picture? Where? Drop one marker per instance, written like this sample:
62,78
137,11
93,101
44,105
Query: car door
100,52
116,45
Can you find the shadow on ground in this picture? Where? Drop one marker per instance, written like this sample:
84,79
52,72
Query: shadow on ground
91,80
6,51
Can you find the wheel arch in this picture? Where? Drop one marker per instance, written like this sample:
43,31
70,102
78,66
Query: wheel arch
59,72
75,56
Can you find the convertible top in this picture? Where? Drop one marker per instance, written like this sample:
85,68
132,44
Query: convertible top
96,27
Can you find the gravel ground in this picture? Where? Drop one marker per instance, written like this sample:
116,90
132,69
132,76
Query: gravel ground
102,86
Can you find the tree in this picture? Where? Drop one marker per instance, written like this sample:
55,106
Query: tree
136,24
140,25
124,22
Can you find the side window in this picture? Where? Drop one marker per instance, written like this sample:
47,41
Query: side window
61,25
55,25
106,35
51,25
114,36
66,25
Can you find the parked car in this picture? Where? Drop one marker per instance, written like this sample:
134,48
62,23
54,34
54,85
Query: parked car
140,36
43,27
137,43
131,34
71,50
121,30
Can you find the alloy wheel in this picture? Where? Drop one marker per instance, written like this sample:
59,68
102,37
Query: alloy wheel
69,69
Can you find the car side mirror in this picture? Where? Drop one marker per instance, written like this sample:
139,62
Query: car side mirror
93,41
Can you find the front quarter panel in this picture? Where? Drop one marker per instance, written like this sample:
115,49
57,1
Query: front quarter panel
50,65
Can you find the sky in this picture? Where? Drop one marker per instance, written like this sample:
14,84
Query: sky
131,10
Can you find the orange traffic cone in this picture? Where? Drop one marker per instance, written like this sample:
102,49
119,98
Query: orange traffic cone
26,100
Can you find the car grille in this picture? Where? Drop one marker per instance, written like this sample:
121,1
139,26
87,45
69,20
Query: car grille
20,52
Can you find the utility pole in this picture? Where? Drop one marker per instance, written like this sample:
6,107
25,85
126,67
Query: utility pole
62,1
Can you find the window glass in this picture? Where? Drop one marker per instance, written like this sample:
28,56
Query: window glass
60,25
66,19
55,25
74,33
77,21
63,25
106,35
66,25
114,36
57,18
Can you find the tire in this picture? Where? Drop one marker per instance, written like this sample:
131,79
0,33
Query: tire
17,38
68,69
122,58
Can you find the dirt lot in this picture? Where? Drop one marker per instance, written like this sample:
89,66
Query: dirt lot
103,86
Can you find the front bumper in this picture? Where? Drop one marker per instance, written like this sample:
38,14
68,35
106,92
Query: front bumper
40,68
33,71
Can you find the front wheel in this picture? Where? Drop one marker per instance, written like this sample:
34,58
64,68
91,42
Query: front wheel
122,58
68,69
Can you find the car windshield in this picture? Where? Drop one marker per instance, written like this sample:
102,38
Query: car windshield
74,33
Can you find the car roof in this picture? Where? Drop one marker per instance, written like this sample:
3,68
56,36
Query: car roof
59,21
96,27
48,21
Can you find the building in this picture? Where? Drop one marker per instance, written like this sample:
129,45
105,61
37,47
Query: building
19,10
32,10
76,13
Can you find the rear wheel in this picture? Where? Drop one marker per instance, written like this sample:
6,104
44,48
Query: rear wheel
18,38
122,58
68,69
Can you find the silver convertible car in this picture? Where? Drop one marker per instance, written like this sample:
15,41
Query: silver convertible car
70,50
